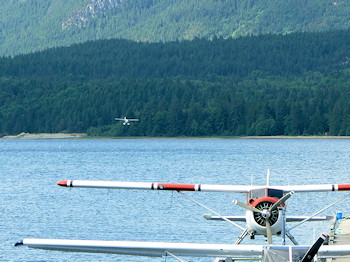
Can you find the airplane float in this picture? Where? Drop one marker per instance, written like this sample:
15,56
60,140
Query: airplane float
126,121
265,215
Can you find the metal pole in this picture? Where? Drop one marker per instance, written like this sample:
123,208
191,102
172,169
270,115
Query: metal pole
283,233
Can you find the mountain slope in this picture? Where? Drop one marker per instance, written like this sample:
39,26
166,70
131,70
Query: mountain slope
31,25
282,55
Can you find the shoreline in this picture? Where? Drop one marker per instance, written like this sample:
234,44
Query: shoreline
32,136
296,137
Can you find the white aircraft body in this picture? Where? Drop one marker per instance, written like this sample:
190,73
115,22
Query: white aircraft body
265,215
126,121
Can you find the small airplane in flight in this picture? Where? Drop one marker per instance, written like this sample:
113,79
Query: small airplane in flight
126,121
265,215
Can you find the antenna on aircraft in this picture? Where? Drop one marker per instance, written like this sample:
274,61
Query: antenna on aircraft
268,177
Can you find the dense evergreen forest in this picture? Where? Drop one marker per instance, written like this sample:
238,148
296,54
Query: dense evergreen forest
33,25
296,84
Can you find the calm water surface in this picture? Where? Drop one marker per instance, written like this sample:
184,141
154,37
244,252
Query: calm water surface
34,206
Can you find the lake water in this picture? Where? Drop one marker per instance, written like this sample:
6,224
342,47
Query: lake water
33,206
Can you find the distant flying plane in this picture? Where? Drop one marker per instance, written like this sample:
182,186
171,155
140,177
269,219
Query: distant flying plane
126,121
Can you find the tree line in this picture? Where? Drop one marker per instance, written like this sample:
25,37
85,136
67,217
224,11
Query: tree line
311,105
284,55
297,84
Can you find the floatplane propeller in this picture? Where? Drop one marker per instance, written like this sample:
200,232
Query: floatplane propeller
265,215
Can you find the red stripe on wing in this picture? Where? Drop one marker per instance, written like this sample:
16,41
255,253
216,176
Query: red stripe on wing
180,187
343,187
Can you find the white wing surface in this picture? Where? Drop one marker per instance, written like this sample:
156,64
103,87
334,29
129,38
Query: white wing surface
146,248
158,249
315,188
156,186
199,187
334,251
288,218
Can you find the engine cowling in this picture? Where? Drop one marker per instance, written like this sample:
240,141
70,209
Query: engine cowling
265,203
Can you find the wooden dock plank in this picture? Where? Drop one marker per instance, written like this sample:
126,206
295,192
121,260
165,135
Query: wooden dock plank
340,235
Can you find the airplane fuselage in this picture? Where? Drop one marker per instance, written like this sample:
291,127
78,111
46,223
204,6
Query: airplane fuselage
263,199
260,229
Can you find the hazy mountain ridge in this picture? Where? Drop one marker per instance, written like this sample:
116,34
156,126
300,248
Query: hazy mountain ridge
32,25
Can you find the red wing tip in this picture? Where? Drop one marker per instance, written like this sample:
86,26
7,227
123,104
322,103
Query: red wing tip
62,183
344,187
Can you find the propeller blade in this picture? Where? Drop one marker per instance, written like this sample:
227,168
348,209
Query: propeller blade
281,200
246,206
268,232
310,254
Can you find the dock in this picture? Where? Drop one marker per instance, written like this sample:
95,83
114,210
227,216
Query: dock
340,235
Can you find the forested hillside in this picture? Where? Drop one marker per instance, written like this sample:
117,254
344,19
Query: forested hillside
32,25
297,84
276,55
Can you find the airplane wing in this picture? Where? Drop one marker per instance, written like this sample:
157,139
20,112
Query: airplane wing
198,187
156,249
159,249
315,188
128,119
288,218
302,218
300,253
334,251
231,218
156,186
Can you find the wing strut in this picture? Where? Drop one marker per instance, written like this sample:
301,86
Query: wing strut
291,238
176,257
209,209
318,212
241,237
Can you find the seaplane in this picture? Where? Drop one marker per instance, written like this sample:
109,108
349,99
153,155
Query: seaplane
126,121
265,215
